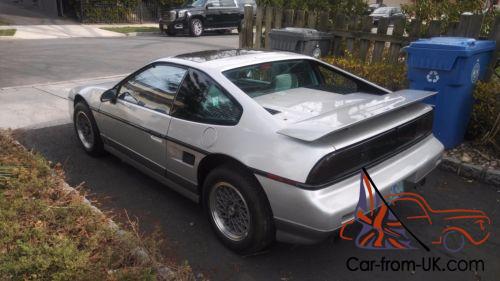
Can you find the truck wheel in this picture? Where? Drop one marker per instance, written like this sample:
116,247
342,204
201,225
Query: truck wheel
238,210
87,131
196,27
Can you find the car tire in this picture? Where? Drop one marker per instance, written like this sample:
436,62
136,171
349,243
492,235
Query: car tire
196,27
236,193
170,32
86,130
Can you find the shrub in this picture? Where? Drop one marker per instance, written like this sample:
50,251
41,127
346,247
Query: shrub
388,75
484,125
336,6
449,11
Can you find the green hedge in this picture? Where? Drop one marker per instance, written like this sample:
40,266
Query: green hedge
336,6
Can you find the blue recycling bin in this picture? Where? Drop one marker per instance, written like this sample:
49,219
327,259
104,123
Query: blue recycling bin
450,66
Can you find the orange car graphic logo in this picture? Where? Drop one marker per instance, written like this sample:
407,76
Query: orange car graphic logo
382,229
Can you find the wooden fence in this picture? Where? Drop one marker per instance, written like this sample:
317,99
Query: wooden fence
357,33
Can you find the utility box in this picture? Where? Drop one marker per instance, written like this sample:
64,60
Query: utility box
450,66
305,41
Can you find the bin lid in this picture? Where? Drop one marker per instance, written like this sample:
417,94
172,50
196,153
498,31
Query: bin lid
454,44
299,33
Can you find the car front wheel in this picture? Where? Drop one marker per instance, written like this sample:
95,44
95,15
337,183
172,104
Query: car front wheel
238,210
196,27
86,130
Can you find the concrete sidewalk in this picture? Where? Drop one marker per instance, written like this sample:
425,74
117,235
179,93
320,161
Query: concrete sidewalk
31,24
58,31
40,105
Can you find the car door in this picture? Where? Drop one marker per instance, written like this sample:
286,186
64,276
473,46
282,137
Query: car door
202,109
137,123
230,14
213,14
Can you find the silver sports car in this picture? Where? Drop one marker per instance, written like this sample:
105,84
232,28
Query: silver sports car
271,143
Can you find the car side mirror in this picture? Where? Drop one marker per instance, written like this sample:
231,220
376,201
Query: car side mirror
109,95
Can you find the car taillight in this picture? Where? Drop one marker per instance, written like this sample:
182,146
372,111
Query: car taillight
347,161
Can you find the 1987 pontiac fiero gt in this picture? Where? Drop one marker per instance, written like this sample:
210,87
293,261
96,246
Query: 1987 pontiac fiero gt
271,143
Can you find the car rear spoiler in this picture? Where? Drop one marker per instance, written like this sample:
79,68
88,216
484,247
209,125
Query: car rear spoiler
333,121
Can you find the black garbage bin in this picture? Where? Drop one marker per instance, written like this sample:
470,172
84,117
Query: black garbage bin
305,41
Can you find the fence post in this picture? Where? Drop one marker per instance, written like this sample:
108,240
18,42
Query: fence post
258,27
249,26
339,24
352,26
269,23
495,36
378,48
395,48
366,27
324,21
278,17
434,28
288,18
311,19
300,18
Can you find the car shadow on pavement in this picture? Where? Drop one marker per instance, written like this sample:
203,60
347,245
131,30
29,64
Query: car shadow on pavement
117,186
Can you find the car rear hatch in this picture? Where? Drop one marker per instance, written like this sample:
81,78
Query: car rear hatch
311,114
363,129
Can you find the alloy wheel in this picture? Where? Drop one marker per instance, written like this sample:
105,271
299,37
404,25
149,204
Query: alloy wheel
229,211
84,130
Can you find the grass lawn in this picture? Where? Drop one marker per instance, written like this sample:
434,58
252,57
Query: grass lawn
129,29
7,32
4,22
47,232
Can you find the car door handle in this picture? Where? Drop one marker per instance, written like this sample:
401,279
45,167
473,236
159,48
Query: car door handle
156,139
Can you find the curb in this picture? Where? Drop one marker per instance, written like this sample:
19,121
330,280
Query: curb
143,33
476,172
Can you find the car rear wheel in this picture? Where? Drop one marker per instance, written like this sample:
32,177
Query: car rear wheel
86,130
238,210
196,27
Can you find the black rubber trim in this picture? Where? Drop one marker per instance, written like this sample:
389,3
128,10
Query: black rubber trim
135,156
181,181
156,134
151,165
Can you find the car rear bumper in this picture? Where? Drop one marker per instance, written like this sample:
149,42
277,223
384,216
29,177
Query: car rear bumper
308,216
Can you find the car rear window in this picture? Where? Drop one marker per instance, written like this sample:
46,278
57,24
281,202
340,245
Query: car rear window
278,76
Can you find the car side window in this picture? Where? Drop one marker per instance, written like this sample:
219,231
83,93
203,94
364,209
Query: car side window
228,3
202,100
153,88
336,82
214,3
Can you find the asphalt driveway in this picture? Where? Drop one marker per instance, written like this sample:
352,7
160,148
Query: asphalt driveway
117,186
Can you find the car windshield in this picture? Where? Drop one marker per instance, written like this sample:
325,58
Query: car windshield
194,3
382,10
281,76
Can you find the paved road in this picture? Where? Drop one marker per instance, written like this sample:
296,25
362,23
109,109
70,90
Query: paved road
118,186
24,62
